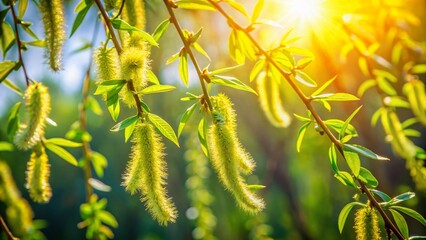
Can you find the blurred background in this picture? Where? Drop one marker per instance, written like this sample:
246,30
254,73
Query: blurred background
303,198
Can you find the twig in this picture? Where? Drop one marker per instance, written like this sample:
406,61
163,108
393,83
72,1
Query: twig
187,46
18,41
109,26
6,230
121,9
307,101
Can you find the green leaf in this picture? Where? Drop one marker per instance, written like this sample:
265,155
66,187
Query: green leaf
347,122
22,7
366,176
364,152
301,134
200,50
410,212
395,101
333,158
161,29
304,79
202,136
6,67
365,86
335,97
125,123
113,105
400,222
145,106
346,178
400,198
152,78
194,37
163,127
185,118
7,39
255,187
93,105
324,86
5,146
417,237
302,119
62,153
385,86
13,120
157,89
381,194
107,218
172,58
37,43
234,47
12,87
123,25
99,163
352,158
128,131
108,86
98,185
419,69
231,82
183,67
194,5
81,9
257,10
337,125
223,70
344,213
63,142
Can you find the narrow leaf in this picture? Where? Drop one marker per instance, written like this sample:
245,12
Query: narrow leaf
125,123
335,97
365,152
381,194
333,158
410,212
352,158
183,67
185,118
400,222
346,124
301,134
231,82
223,70
157,89
202,136
366,176
324,86
152,78
161,29
163,127
98,185
63,142
304,79
343,215
62,153
257,10
6,67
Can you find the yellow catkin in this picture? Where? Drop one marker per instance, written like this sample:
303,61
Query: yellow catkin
38,172
20,216
146,172
134,13
106,62
54,24
414,89
229,158
367,224
37,102
270,101
9,193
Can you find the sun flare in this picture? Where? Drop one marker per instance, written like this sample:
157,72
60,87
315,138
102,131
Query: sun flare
305,10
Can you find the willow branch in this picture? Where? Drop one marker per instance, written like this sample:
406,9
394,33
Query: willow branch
18,41
307,101
6,230
119,50
188,49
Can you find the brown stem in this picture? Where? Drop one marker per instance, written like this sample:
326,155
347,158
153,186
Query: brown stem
6,230
306,100
109,26
132,89
18,41
187,46
121,9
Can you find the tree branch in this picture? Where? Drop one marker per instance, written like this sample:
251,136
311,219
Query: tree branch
18,41
187,46
6,230
306,100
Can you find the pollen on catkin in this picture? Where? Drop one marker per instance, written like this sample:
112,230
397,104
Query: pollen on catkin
367,224
229,158
9,193
134,13
270,101
146,172
106,62
37,102
54,27
38,172
20,216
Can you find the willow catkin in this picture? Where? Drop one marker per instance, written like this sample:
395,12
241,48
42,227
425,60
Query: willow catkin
146,172
9,193
106,62
38,172
134,13
229,158
414,89
20,216
37,102
54,27
270,101
367,224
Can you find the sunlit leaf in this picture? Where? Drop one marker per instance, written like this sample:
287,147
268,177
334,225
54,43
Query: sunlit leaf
125,123
257,10
200,50
13,120
98,185
301,134
63,142
161,29
183,67
400,222
195,5
239,7
231,82
99,162
344,213
335,97
5,146
157,89
163,127
81,9
223,70
123,25
333,158
381,194
304,79
22,7
352,158
6,67
411,213
401,198
345,178
347,122
62,153
12,86
7,39
202,137
419,69
365,86
367,177
365,152
257,68
185,117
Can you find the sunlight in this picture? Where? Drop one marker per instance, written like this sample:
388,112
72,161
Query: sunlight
305,10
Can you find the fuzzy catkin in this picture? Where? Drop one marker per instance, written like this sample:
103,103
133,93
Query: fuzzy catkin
134,13
54,27
367,224
38,172
270,101
20,216
106,62
229,158
37,102
146,172
9,193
